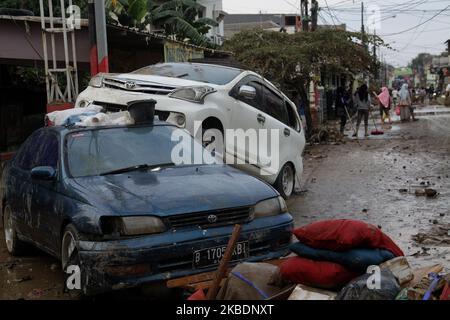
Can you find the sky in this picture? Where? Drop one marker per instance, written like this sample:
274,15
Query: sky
410,27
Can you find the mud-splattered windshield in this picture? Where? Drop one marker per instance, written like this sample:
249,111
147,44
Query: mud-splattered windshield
118,150
196,72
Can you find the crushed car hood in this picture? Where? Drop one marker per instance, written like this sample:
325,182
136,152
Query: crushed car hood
171,191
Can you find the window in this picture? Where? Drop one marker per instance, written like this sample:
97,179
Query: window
275,106
40,149
293,122
251,81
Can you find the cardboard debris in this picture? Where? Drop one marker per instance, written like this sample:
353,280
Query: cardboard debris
302,292
400,268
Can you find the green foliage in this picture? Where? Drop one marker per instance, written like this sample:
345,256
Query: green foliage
291,59
176,17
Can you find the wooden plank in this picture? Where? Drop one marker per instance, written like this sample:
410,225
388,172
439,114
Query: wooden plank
223,265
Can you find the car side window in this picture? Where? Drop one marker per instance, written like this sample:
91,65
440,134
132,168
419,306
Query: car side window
27,154
293,121
275,106
41,149
48,153
251,81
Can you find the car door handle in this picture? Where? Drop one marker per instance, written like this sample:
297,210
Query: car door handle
287,132
261,118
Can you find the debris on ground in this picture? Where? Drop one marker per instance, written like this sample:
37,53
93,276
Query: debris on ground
362,288
438,234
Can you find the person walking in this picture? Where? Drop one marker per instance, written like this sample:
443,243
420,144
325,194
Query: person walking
384,100
405,103
362,102
341,104
395,96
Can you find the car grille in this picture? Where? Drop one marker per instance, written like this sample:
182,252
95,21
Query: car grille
224,217
137,86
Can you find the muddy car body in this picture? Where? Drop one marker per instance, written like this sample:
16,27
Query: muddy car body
84,196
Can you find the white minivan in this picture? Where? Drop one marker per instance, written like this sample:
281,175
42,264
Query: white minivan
221,98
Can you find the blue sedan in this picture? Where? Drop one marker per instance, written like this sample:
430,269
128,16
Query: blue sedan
110,201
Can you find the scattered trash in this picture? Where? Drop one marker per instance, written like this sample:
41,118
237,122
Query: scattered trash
358,289
400,268
307,293
23,279
438,234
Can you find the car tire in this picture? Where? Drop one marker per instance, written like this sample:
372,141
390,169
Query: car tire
14,245
70,256
69,250
285,182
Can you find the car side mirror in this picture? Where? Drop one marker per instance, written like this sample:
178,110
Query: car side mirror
43,173
247,92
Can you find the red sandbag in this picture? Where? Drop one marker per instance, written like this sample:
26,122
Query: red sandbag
342,235
319,274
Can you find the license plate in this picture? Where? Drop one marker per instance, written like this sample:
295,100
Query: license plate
211,256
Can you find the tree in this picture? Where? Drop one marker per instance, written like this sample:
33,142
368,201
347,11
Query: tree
291,59
178,18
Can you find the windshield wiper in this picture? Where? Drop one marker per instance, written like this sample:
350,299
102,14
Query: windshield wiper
137,167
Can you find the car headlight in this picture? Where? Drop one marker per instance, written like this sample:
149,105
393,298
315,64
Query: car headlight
192,94
96,81
270,207
178,119
132,226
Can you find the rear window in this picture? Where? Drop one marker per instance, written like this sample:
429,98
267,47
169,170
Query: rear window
202,73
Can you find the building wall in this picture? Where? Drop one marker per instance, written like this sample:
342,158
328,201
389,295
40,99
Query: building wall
212,10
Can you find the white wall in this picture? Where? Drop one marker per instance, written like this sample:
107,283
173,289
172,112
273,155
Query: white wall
212,7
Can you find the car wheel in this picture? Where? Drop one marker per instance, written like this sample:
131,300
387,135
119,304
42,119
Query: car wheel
14,246
286,181
69,251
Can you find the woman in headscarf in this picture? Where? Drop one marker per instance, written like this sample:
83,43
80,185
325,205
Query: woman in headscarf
405,103
362,103
384,99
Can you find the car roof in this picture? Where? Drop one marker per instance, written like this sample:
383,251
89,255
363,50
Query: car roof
203,64
63,130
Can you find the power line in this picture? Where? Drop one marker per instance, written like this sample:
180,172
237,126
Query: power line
420,24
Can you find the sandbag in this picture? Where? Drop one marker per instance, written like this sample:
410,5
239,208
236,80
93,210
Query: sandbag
318,274
354,259
342,235
358,290
251,281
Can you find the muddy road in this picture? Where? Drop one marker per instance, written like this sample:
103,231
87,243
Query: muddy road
349,181
340,181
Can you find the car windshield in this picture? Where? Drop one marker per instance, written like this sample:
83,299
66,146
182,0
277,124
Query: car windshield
118,150
197,72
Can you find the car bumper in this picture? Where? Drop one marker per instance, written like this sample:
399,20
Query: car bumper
112,265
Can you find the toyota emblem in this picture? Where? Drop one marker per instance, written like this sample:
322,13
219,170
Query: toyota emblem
130,84
212,218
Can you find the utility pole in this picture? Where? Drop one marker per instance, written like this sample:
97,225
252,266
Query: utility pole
314,13
98,37
363,32
304,14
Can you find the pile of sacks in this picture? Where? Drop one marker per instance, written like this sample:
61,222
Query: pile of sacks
89,116
331,253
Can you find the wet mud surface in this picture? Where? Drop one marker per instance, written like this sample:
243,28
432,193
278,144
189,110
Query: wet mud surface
377,182
340,181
